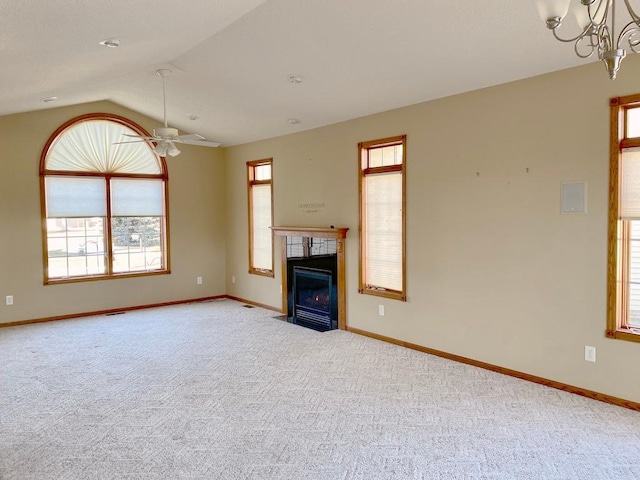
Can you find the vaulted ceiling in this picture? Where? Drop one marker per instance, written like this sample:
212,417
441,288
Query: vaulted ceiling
231,59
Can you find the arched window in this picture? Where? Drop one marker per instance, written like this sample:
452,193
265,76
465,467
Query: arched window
104,204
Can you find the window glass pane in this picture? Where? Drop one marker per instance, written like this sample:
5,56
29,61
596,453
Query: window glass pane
75,247
90,146
261,242
383,231
137,197
137,244
392,155
634,273
385,156
262,172
633,122
375,157
75,197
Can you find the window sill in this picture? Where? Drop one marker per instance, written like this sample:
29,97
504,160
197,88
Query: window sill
392,294
262,273
58,281
630,335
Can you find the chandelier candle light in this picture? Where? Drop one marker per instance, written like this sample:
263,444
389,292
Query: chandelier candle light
597,19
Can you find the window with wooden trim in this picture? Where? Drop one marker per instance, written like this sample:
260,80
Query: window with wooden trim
623,310
104,204
260,190
382,179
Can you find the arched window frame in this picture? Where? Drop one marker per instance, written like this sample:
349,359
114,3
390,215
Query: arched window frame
107,230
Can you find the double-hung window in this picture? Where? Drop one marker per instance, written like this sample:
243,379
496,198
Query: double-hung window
382,179
260,190
104,203
624,220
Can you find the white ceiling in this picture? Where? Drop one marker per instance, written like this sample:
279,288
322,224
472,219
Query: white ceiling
231,58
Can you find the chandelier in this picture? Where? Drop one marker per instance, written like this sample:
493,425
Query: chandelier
598,23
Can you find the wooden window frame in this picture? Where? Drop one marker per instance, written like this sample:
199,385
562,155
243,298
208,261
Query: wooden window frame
363,171
251,182
618,235
44,173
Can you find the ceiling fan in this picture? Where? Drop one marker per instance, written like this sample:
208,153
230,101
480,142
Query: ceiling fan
166,137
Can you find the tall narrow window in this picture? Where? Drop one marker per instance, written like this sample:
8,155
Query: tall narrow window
382,217
624,220
104,203
260,189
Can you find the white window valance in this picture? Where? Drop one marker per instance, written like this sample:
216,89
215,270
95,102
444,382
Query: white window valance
90,146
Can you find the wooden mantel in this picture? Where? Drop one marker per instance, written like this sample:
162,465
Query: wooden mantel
340,234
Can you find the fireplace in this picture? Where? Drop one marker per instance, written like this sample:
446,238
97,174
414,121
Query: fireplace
313,276
314,299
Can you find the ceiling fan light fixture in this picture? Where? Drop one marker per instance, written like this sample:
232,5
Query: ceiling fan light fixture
161,149
172,150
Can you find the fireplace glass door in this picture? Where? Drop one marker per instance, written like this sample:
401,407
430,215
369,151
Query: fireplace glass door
313,298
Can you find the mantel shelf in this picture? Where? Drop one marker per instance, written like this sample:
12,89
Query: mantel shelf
316,232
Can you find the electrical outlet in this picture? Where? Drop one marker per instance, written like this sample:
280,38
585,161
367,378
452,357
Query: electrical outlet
280,288
9,300
233,279
589,353
381,310
199,280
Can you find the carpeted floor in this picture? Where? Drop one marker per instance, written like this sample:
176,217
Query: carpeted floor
218,391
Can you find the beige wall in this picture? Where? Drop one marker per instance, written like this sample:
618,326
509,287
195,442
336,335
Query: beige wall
494,271
197,216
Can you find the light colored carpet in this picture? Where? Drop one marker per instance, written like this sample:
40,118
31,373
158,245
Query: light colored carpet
218,391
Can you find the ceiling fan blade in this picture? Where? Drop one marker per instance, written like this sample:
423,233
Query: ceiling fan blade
131,141
189,136
202,143
140,136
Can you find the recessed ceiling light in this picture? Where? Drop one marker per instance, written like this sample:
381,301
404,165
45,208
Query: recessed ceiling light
191,116
295,78
110,42
49,99
293,121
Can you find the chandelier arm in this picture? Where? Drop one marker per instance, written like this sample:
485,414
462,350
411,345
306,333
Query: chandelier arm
605,38
577,38
630,31
601,4
632,12
583,55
